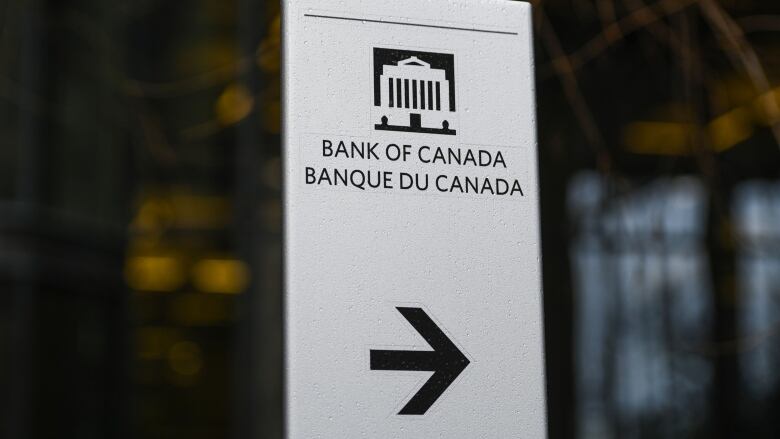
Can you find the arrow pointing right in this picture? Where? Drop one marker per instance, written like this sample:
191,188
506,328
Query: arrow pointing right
446,361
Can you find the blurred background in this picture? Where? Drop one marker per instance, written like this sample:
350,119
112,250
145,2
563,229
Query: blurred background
140,246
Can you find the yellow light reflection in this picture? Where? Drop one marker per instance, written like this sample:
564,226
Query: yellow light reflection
730,129
268,53
181,210
765,107
234,104
154,273
222,276
200,309
676,138
663,138
185,358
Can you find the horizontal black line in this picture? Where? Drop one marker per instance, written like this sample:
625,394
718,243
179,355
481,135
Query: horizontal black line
366,20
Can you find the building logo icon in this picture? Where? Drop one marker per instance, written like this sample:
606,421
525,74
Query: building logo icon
414,91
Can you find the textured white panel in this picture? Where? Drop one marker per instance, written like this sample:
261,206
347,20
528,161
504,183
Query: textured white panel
361,246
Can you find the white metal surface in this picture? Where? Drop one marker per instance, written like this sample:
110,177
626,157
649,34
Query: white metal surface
440,279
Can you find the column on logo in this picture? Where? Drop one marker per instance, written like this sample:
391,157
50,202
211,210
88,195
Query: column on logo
422,94
406,93
430,95
387,90
398,93
414,93
438,96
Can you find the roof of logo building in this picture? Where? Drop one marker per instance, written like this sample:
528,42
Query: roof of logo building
413,61
414,67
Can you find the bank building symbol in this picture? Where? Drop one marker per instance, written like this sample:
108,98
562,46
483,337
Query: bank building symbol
414,91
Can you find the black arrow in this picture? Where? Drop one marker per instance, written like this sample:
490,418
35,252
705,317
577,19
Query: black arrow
445,360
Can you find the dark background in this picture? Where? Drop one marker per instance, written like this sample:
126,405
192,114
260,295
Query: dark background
140,218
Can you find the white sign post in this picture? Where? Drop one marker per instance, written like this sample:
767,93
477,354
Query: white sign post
413,292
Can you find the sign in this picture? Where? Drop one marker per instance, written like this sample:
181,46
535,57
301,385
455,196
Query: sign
413,293
445,361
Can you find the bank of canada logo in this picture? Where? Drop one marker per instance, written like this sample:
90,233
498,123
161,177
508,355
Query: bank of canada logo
414,91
